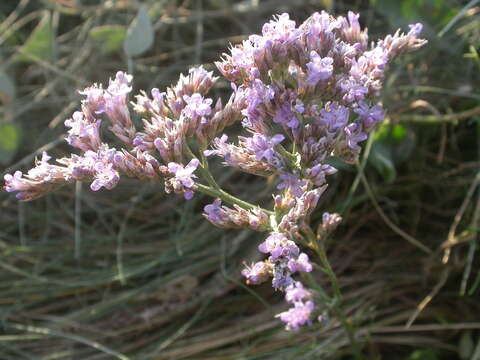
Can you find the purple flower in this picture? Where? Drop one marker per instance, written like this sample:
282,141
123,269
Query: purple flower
319,30
298,315
14,182
292,183
212,210
105,176
236,218
97,166
263,146
183,179
281,277
300,264
296,293
277,244
318,173
355,135
333,116
83,134
221,143
330,222
281,30
370,116
42,178
286,116
121,85
197,106
258,98
352,90
158,96
116,101
319,68
257,273
415,29
95,101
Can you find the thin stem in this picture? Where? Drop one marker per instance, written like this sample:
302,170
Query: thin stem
228,198
78,220
214,190
320,250
206,172
386,219
337,303
203,167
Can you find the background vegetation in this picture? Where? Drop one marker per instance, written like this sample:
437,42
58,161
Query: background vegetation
134,274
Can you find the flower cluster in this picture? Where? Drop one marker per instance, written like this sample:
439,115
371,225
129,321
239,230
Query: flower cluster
302,94
301,311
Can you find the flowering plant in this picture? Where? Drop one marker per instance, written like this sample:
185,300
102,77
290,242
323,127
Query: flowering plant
302,94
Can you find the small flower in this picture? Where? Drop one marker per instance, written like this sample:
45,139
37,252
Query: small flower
83,134
95,100
300,264
370,116
329,223
415,29
317,174
354,135
183,177
333,117
213,211
286,116
296,293
352,90
277,244
298,315
197,106
105,176
263,146
121,85
292,183
319,68
257,273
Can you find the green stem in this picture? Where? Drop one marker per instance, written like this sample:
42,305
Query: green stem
291,158
206,172
337,304
214,190
228,198
320,250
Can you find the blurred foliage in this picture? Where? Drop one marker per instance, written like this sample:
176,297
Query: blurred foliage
133,274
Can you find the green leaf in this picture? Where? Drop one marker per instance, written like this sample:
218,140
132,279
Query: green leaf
40,42
109,37
139,35
392,145
382,159
9,141
466,345
423,354
7,88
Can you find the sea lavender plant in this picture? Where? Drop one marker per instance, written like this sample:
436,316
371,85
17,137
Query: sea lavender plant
303,94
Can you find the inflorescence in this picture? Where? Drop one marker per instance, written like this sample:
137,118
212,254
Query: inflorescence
303,94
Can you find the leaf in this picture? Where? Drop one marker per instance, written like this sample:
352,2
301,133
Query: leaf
466,345
423,354
7,88
110,37
382,159
139,34
9,141
392,145
40,42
